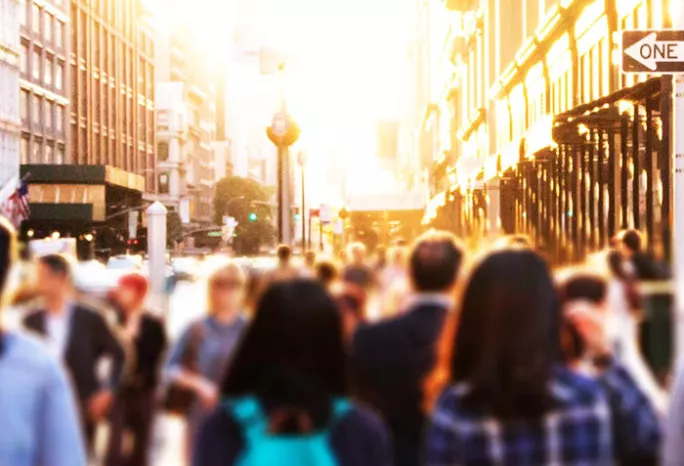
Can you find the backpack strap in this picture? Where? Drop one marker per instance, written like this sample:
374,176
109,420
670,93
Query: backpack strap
251,418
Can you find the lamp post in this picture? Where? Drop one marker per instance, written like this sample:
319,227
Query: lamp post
301,159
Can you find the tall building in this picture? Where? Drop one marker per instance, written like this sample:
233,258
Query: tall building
9,89
552,140
43,99
186,124
87,185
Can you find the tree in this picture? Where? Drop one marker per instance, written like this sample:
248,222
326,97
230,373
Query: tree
239,197
174,228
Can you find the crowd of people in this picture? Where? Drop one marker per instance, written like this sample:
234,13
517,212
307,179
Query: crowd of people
428,355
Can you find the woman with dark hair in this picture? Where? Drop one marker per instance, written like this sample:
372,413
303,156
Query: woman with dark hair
290,373
510,399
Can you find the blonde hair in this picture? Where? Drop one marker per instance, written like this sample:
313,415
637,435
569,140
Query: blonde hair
230,270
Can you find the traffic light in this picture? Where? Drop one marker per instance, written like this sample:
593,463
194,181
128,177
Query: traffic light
296,214
252,217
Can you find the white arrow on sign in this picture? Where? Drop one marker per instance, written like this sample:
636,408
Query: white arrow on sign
649,51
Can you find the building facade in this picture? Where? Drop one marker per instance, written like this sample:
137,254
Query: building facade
186,125
43,100
552,140
89,77
9,90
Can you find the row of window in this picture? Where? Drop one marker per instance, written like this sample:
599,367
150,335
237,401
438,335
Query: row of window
39,150
41,112
42,67
42,23
111,150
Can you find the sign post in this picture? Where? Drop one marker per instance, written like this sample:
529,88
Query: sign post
651,51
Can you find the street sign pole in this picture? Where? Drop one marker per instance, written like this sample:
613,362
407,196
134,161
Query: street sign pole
663,52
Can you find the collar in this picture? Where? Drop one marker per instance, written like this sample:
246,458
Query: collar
67,310
439,299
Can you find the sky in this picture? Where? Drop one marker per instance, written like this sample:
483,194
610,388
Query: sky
347,65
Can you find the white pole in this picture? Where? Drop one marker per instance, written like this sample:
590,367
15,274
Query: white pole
678,197
156,251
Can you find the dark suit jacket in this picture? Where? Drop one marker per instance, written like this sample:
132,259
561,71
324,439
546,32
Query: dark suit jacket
390,362
90,338
148,347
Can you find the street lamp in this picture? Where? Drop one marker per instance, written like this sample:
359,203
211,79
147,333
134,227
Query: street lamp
301,160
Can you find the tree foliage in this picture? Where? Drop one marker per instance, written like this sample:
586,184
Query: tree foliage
239,197
174,228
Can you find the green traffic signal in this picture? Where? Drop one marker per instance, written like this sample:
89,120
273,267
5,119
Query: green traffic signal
252,217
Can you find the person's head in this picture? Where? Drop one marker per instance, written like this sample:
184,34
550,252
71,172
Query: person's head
54,277
227,288
579,288
284,253
357,253
381,253
398,257
309,259
631,242
507,337
131,292
293,353
435,262
326,272
7,251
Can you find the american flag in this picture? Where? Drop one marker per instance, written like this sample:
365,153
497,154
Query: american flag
16,206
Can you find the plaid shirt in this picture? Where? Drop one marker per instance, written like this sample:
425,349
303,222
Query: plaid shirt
597,422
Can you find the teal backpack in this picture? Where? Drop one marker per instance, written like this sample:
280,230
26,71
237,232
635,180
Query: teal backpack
263,448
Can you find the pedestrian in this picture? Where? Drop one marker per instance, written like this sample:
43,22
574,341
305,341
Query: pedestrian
284,269
326,273
309,264
591,291
644,266
511,400
37,411
79,335
285,398
135,404
199,358
392,359
394,283
358,272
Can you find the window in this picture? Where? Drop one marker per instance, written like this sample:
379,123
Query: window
36,151
163,150
49,153
24,104
23,150
59,118
47,73
163,183
47,27
36,109
36,64
59,155
23,13
59,34
59,75
35,18
48,114
24,59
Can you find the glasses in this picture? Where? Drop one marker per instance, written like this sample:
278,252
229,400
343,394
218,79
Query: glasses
226,284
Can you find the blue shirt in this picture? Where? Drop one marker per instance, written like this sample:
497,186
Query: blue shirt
38,419
596,422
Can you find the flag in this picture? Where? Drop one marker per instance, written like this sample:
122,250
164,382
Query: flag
16,206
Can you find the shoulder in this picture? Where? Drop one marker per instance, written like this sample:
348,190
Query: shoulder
29,353
363,423
386,329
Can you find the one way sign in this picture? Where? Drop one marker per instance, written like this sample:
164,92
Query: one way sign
646,51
